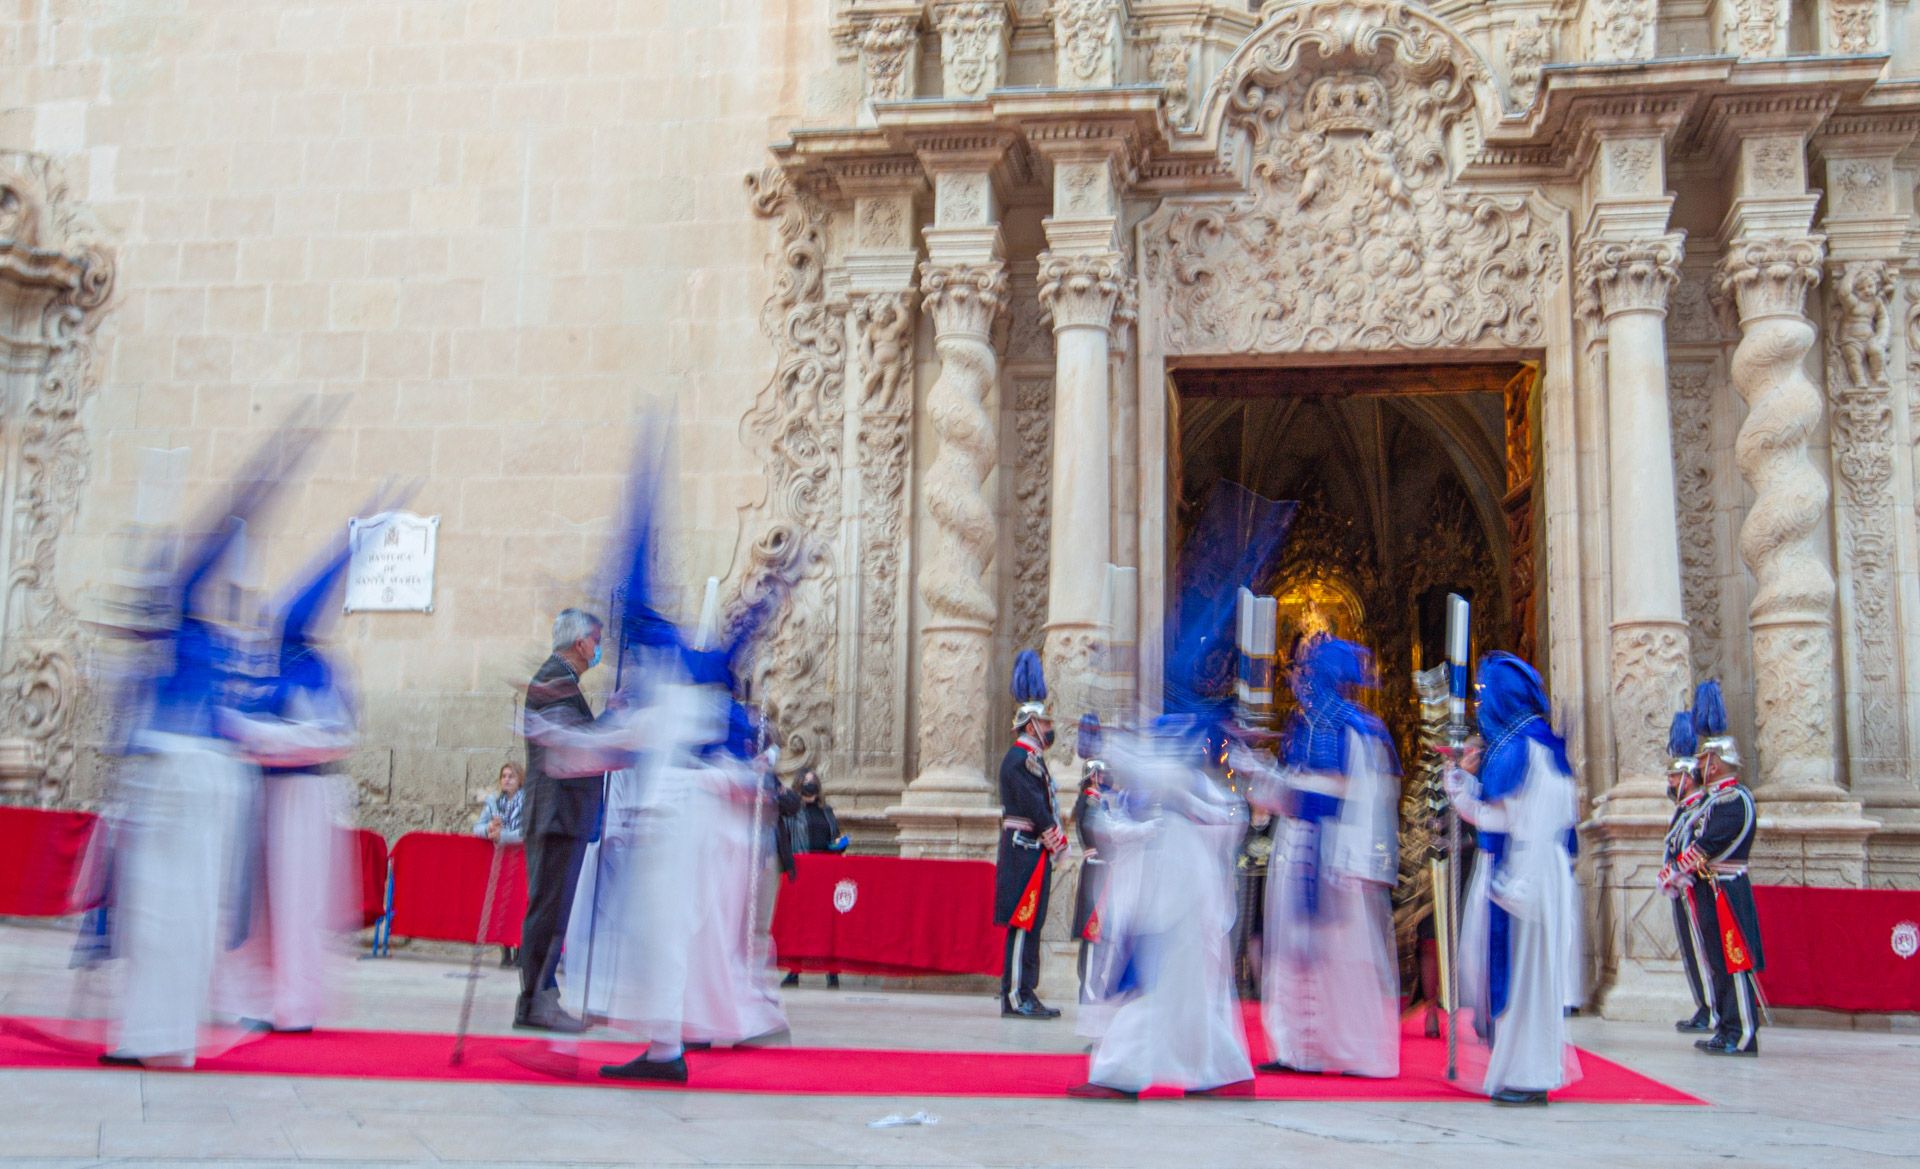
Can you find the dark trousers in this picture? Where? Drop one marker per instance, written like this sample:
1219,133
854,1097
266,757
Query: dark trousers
553,873
1736,1007
1683,929
1020,966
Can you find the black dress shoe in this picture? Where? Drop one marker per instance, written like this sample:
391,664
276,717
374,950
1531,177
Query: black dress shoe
1027,1010
792,979
1518,1098
1033,1002
550,1019
833,982
1092,1091
109,1059
1276,1068
669,1071
1701,1023
1726,1045
1238,1090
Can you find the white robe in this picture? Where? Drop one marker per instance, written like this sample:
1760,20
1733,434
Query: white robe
287,970
1535,885
731,995
1183,1028
1330,984
585,987
174,889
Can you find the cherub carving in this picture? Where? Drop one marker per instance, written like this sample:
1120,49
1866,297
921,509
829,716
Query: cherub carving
1865,334
885,325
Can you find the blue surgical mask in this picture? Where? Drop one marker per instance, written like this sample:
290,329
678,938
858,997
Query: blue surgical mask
595,660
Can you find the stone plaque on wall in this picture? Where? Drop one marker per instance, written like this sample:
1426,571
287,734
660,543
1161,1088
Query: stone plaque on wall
391,570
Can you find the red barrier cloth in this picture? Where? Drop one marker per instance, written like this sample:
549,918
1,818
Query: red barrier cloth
40,857
888,915
372,851
440,882
1840,949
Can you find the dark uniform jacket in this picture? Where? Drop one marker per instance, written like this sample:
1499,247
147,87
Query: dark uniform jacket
1723,832
1093,870
559,806
1026,801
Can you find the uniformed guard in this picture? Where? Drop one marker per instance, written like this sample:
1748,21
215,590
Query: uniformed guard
1683,788
1720,839
1030,837
1091,890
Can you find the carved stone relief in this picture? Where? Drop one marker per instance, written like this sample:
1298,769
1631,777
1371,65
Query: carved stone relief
1861,186
1169,64
887,50
883,326
1354,235
1620,30
1851,25
1860,304
795,426
1529,48
1085,34
56,275
1690,400
973,47
1754,28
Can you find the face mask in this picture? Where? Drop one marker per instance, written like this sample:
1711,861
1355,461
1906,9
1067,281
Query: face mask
595,659
1046,740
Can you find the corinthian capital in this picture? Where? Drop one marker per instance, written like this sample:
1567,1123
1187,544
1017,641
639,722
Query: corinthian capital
1627,276
964,298
1083,290
1770,277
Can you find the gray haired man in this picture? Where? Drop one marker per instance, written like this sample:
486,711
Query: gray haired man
562,816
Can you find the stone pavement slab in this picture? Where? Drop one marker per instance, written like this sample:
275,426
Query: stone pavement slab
1817,1099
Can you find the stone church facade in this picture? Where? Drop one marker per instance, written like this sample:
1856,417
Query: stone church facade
934,362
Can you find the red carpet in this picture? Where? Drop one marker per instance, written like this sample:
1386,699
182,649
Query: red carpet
400,1055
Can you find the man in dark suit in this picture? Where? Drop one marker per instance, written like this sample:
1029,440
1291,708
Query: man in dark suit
562,817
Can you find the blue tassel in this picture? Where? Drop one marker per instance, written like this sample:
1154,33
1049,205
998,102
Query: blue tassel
1029,678
1709,710
1681,741
1089,740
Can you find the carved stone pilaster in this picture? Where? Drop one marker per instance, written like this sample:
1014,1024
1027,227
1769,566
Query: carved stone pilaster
797,427
1652,678
56,275
1617,276
1791,613
883,328
1690,388
1082,291
1859,393
973,46
963,299
1032,507
1753,28
1087,38
1620,30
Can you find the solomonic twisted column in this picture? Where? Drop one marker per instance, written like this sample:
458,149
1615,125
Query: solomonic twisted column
1625,283
1791,617
957,639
